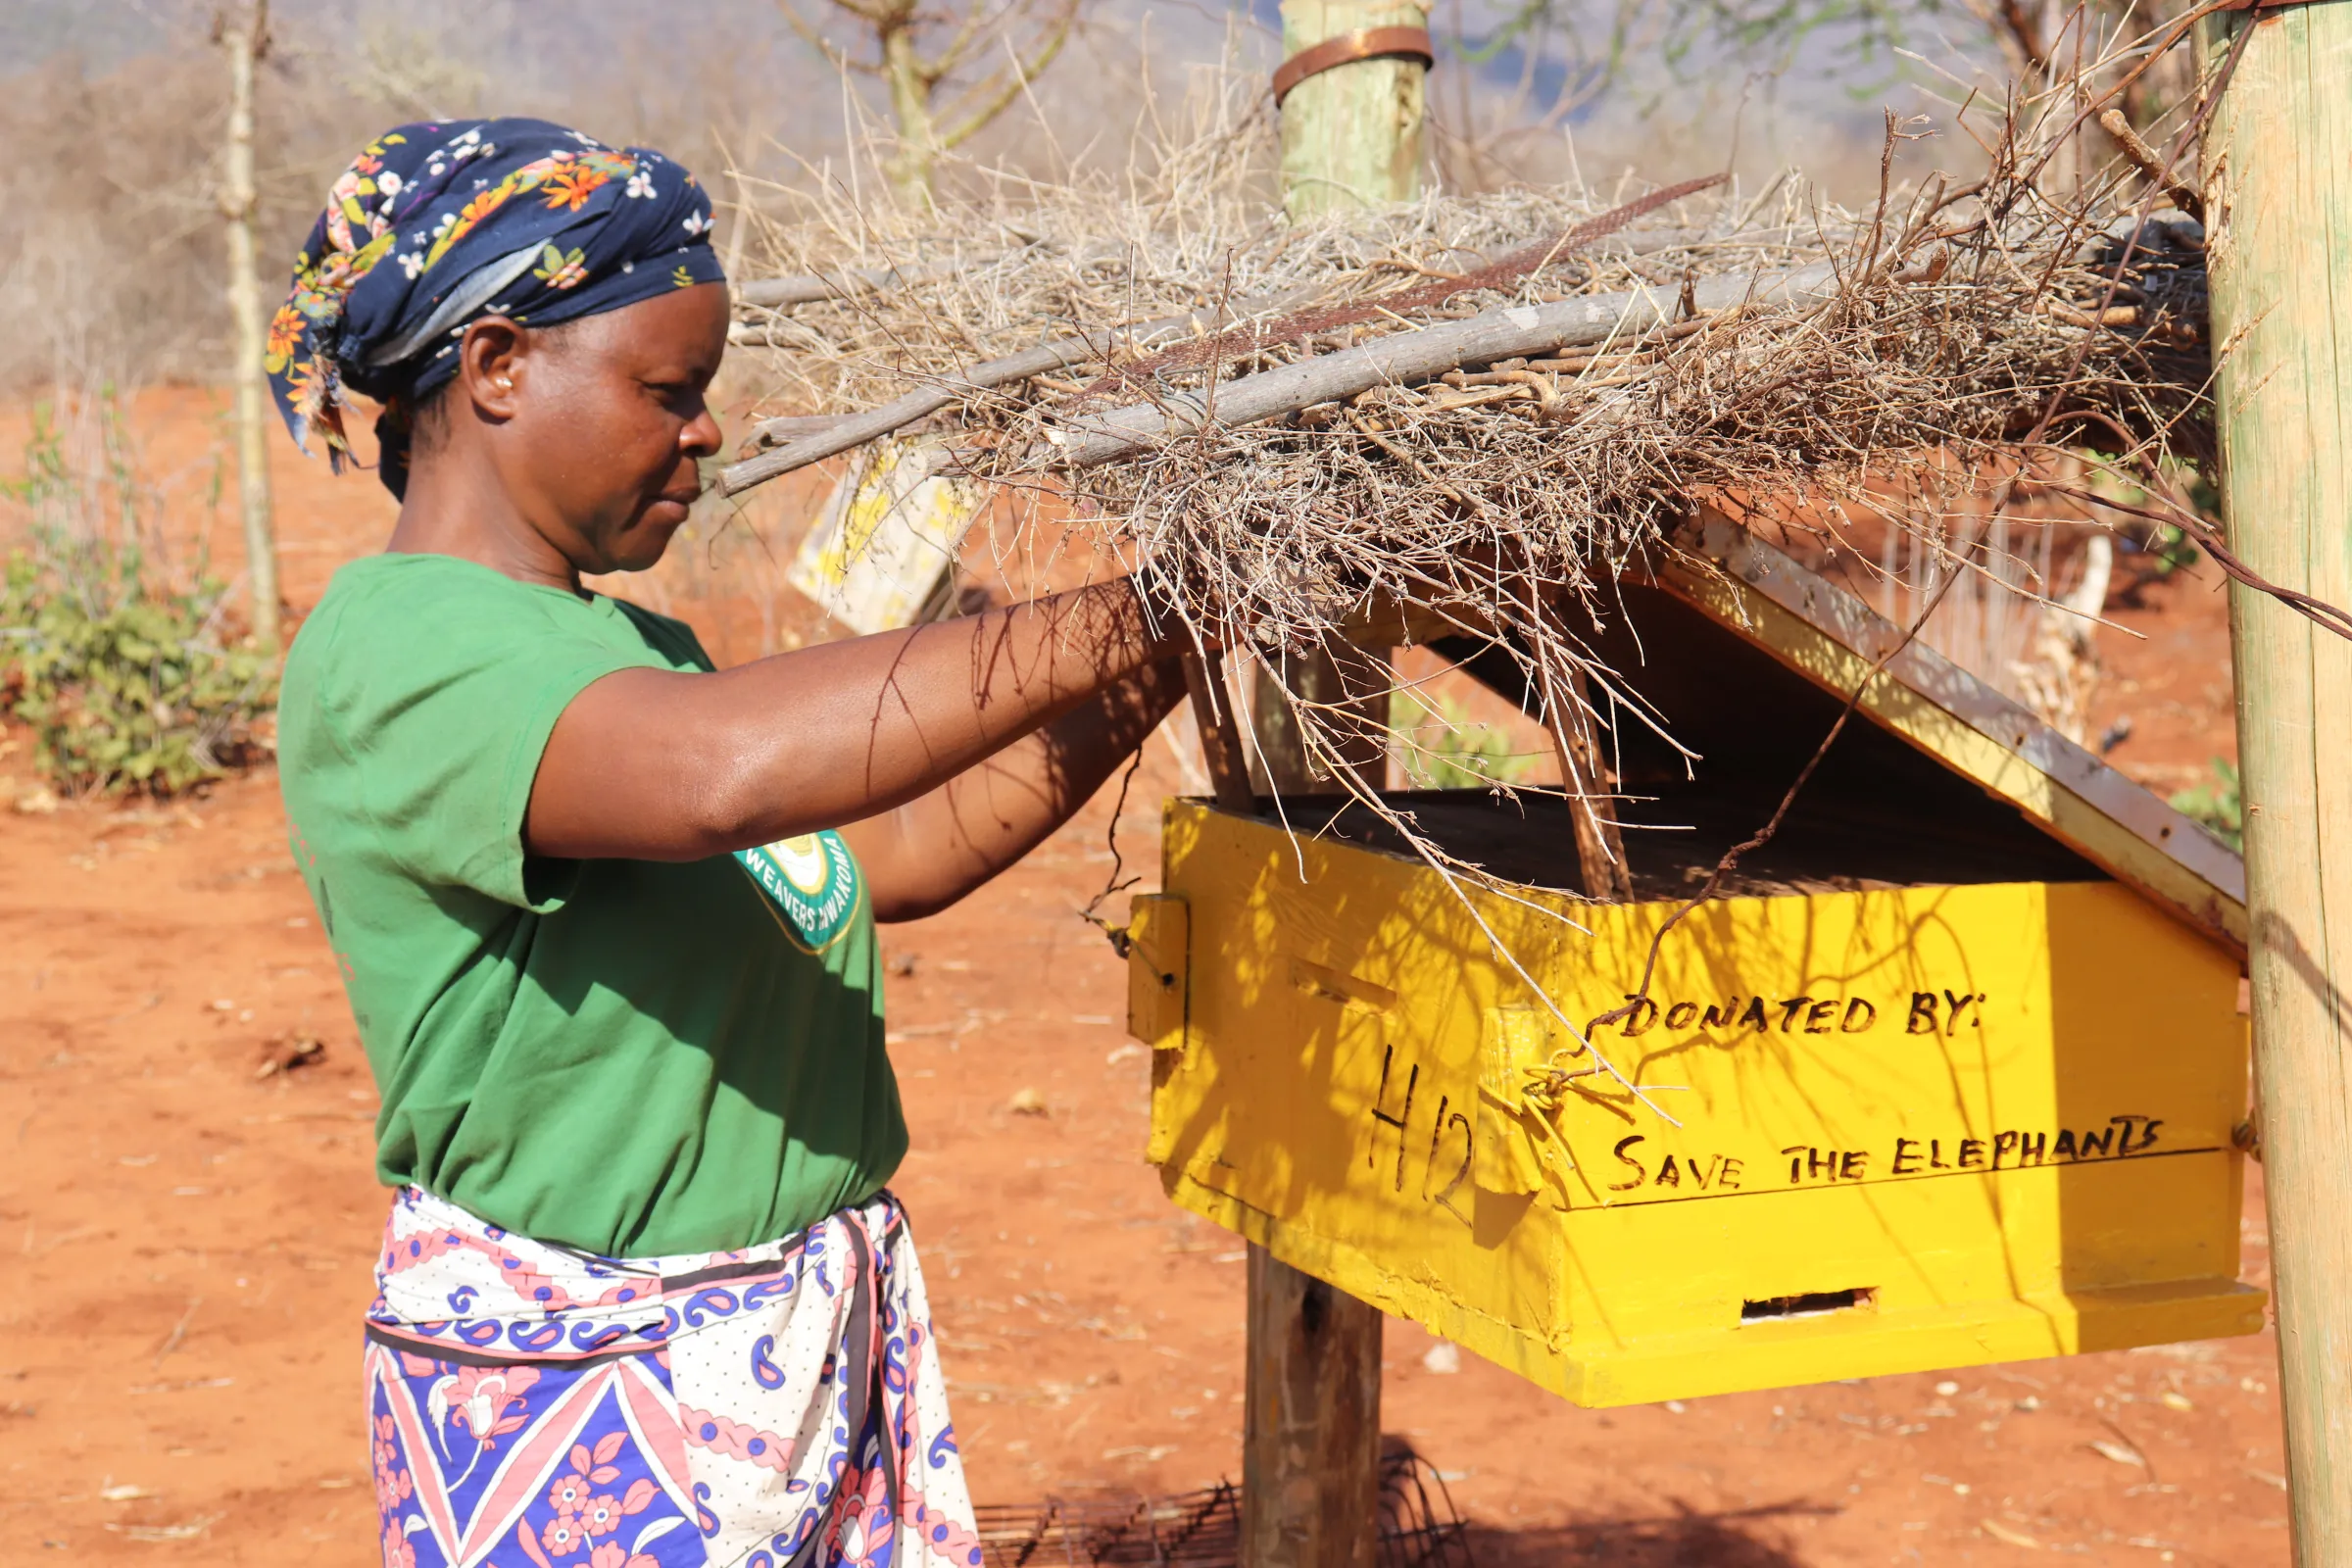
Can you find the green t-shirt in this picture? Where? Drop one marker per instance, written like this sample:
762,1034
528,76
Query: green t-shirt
626,1056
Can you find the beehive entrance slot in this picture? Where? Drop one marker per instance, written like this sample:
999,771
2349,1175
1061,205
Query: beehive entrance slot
1812,1303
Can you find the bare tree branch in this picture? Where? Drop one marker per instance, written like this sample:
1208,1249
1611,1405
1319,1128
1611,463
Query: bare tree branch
953,56
912,74
1017,79
838,59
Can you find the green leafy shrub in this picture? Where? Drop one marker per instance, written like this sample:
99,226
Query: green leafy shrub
2216,807
1445,749
129,681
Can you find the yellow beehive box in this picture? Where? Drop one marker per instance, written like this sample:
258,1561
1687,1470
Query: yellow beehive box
1956,1075
1885,1130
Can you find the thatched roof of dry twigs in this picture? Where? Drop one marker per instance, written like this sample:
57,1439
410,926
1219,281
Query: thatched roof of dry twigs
1483,404
1467,428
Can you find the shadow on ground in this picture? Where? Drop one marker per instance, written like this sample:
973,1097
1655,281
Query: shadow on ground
1109,1528
1747,1537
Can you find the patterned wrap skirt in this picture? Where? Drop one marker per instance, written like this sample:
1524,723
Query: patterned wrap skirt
532,1406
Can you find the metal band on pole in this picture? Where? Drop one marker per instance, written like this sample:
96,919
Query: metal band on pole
1364,43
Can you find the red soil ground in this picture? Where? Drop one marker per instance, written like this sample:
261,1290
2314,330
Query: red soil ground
189,1243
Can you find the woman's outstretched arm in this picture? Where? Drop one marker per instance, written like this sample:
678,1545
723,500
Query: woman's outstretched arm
935,849
661,766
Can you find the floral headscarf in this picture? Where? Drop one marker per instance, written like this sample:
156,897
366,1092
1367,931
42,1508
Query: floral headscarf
434,226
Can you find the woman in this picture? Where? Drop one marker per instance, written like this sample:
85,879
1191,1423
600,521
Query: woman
606,916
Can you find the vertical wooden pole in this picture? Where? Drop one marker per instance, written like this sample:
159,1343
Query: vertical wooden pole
243,38
1220,737
1590,784
1311,1423
1318,678
1351,135
1310,1443
1311,1463
2277,158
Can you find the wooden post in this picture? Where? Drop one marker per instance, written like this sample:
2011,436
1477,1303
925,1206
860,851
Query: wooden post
1590,784
1317,679
1310,1461
1351,135
244,38
1310,1442
2277,172
1220,737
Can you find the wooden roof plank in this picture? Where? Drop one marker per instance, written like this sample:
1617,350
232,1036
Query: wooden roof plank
1828,634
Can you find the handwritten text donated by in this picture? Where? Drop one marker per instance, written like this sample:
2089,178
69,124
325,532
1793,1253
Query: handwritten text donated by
1929,1013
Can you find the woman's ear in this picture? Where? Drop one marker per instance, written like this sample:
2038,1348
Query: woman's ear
490,364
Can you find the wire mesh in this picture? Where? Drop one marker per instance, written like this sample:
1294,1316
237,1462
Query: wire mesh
1202,1529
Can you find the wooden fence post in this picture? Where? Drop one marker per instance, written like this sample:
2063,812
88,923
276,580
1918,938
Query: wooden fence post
2277,159
1310,1444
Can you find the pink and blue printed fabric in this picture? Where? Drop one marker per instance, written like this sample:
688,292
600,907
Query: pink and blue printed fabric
434,226
781,1405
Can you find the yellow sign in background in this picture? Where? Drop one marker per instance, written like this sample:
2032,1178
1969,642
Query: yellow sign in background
1846,1133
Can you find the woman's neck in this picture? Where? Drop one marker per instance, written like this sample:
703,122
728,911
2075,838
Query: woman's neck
458,508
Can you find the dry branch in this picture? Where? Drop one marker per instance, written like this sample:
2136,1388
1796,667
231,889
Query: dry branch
783,293
803,439
854,430
1514,331
802,446
1214,352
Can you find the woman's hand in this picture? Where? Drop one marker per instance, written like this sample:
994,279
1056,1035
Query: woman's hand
661,766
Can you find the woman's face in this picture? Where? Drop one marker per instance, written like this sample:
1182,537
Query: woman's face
605,420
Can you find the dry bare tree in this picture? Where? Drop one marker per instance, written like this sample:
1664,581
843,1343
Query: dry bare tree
1536,65
243,35
948,74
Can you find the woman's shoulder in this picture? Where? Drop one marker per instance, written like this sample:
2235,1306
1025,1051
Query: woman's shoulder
415,605
435,587
392,628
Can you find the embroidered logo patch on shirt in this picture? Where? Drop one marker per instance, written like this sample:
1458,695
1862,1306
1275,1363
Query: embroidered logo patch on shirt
812,883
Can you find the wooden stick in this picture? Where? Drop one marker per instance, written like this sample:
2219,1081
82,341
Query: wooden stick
2143,157
1310,1402
2278,192
783,293
1407,357
1584,772
854,430
860,429
1591,783
1220,736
